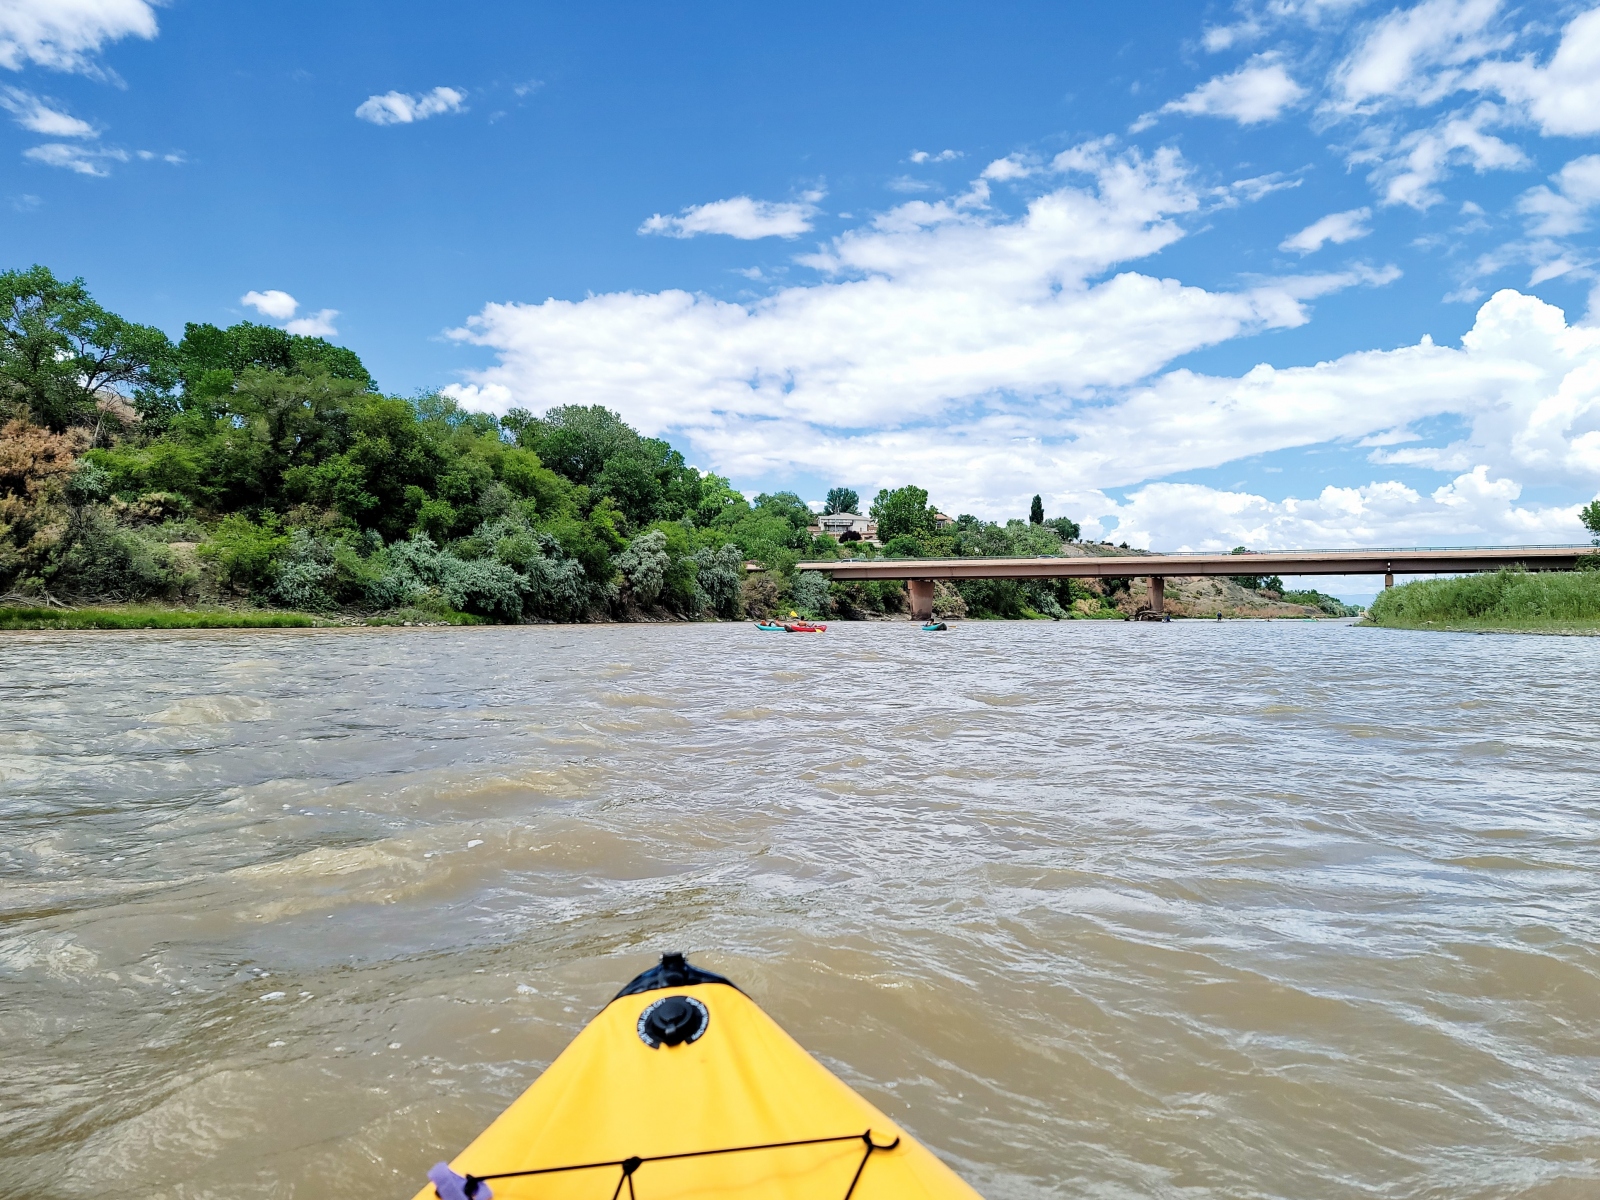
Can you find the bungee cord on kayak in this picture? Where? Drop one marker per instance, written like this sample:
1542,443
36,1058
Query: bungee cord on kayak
681,1057
472,1187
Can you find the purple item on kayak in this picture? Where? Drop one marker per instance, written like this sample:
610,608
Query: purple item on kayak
450,1186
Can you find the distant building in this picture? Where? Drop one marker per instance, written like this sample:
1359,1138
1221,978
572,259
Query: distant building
839,526
940,521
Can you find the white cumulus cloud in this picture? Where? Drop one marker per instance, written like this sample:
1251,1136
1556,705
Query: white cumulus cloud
66,35
1258,91
739,217
1338,228
280,306
404,108
1471,508
940,342
1525,383
988,357
1563,96
923,156
317,324
39,116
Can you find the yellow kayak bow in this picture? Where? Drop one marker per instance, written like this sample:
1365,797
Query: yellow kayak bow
683,1088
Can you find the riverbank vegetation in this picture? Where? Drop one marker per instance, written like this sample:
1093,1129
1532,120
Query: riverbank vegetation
148,617
1510,600
250,467
250,471
1329,605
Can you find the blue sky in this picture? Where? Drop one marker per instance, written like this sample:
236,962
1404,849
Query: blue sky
991,249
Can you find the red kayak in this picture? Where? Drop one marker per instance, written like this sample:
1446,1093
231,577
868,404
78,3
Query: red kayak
806,627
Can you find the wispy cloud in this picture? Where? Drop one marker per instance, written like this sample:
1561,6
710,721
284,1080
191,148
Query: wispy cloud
738,217
923,156
404,108
41,116
1409,167
81,160
1415,54
1565,209
1338,228
67,35
1013,166
1257,92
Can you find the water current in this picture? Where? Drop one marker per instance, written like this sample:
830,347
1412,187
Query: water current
1094,909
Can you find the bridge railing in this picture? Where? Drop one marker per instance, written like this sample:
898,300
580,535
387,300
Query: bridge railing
1307,552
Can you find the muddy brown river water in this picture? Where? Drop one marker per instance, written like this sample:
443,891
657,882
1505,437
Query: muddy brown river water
1102,910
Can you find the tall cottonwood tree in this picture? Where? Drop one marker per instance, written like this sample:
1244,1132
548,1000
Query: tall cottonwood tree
63,356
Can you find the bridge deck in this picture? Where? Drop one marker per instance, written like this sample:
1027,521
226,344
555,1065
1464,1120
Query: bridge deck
1293,562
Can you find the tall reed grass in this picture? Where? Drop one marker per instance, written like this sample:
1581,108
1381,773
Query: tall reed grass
148,618
1509,599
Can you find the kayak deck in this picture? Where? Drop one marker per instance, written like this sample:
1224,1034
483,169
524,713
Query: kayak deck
737,1110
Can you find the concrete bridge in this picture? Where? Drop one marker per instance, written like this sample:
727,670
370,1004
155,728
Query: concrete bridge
922,573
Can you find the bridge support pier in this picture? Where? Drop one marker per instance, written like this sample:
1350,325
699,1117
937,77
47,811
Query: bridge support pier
1158,594
921,598
1388,580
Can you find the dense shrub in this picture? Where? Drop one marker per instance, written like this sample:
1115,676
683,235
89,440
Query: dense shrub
102,558
1331,605
558,590
644,564
305,571
720,577
762,596
809,594
246,552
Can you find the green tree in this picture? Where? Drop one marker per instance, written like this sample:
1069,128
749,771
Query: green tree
1248,582
1036,512
1589,514
788,507
628,479
1065,527
206,351
841,500
578,441
1255,583
903,512
62,355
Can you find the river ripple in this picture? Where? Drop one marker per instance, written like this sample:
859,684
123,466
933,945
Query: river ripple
1196,910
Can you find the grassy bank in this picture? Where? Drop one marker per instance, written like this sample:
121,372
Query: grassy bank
1510,601
139,617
